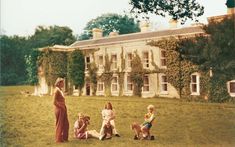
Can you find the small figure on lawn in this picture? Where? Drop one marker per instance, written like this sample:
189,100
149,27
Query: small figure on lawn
143,131
108,124
80,128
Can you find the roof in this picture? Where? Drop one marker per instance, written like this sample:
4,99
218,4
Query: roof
137,36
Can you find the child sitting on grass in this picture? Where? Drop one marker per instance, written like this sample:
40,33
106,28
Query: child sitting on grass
108,116
144,128
80,128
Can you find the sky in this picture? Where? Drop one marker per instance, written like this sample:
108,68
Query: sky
21,17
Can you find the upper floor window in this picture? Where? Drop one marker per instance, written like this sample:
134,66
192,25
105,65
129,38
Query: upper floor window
114,61
146,59
100,86
195,84
163,58
163,82
129,84
146,83
87,62
100,61
231,88
114,85
129,60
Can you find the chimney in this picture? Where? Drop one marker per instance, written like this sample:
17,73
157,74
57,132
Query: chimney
144,26
97,33
230,7
112,34
173,23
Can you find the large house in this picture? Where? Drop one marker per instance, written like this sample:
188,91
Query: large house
121,48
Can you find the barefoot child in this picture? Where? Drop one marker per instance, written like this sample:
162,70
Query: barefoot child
145,127
80,128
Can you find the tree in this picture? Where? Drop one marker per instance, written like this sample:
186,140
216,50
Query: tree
177,9
48,36
230,3
216,52
76,69
13,69
110,22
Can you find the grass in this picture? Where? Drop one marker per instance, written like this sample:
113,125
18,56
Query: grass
30,121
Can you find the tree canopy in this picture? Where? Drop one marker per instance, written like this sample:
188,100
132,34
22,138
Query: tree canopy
110,22
16,50
177,9
214,52
48,36
217,50
13,50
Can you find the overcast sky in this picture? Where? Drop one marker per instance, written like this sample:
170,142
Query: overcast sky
21,17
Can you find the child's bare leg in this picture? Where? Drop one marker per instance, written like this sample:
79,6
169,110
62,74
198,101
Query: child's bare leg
145,131
93,133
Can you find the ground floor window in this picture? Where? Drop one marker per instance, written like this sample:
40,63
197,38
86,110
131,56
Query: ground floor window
195,84
163,83
231,88
129,84
100,86
114,85
146,83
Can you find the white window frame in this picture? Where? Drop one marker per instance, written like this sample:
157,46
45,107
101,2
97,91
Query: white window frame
145,61
232,94
112,84
113,63
146,85
162,91
197,84
129,61
129,82
100,64
162,58
86,64
99,83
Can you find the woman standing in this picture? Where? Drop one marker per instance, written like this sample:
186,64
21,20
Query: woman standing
62,123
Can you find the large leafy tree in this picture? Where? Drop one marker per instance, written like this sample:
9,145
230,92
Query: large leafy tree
48,36
13,69
110,22
216,51
177,9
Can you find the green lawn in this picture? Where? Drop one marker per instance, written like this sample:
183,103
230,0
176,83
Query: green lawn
29,121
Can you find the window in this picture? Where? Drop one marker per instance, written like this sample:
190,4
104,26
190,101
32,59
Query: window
88,62
146,84
129,60
163,81
100,61
100,86
231,88
129,84
163,58
146,59
114,61
194,85
114,85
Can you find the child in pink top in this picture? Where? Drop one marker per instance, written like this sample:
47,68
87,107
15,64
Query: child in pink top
80,128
